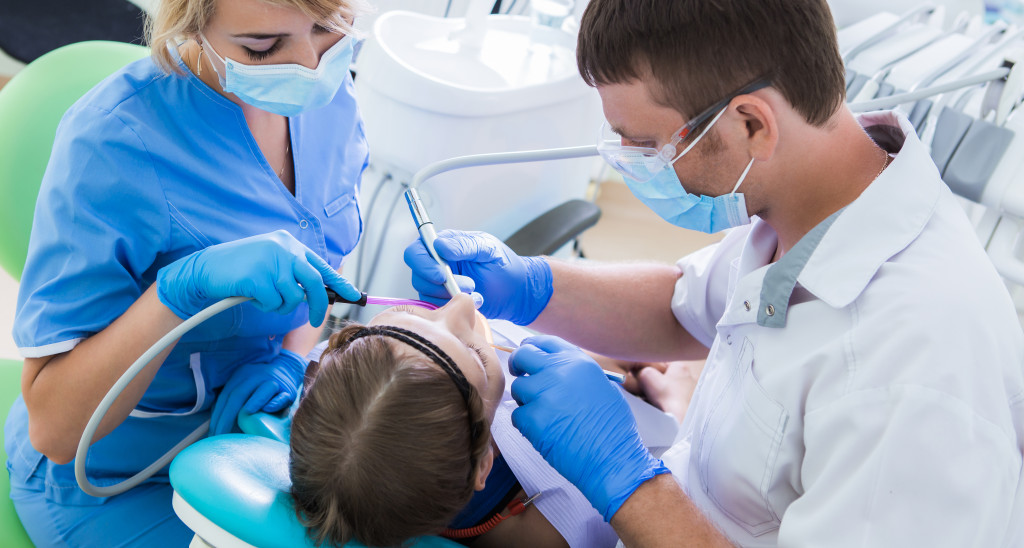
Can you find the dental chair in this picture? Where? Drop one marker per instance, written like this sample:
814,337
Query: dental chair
31,105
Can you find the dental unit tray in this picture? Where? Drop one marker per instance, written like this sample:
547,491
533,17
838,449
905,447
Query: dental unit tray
960,82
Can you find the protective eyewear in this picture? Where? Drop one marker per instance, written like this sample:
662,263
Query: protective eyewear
642,163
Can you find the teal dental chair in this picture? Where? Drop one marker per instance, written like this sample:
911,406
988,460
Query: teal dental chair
31,105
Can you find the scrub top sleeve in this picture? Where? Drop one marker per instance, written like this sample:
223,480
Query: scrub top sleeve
902,465
700,294
100,220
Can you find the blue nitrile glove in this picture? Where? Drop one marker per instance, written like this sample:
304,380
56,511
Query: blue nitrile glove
578,420
514,288
277,271
262,386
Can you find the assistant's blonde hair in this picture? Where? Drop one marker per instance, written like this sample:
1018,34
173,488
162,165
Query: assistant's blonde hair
177,20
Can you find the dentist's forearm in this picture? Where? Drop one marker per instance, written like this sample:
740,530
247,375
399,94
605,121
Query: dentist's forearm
619,310
659,514
62,391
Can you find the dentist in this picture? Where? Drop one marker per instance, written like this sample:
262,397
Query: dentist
864,385
227,164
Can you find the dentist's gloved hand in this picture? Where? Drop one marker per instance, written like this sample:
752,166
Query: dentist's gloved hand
277,271
578,420
264,386
514,288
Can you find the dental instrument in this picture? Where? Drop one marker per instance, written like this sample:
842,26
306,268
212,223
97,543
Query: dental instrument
427,234
911,16
611,375
911,96
364,299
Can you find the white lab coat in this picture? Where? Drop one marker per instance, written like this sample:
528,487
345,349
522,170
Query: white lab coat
889,410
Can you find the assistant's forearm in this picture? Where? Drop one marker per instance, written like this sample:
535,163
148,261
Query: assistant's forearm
659,514
619,310
62,391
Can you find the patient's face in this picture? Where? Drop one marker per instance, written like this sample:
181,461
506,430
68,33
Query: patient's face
459,330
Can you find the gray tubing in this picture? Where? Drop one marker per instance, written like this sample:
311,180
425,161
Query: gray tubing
119,386
909,97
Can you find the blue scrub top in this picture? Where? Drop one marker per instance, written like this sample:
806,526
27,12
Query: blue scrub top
147,168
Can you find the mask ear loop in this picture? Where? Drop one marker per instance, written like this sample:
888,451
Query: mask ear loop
743,176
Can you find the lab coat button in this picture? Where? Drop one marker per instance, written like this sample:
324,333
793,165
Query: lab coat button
303,224
728,339
770,310
746,305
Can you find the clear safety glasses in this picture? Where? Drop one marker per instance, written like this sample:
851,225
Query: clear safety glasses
642,163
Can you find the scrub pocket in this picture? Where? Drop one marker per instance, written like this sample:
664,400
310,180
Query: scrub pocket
344,225
738,454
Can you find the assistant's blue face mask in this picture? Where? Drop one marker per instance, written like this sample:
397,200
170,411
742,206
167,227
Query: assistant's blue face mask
665,195
287,89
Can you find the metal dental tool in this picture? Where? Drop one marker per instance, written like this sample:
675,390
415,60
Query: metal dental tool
428,235
610,375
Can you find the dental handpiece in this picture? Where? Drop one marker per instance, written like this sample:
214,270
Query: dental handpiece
428,235
364,299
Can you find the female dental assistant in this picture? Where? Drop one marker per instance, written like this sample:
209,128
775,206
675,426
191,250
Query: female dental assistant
183,179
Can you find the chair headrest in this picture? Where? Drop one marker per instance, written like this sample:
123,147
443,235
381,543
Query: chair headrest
240,482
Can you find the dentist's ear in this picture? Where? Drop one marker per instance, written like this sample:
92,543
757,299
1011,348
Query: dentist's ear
760,124
483,469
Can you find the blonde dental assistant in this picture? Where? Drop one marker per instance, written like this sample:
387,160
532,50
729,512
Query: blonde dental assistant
180,180
865,381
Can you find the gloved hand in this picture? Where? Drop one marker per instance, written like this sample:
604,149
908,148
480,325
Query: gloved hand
275,269
262,386
514,288
578,420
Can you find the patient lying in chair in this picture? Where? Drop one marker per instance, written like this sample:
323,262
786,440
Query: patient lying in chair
405,430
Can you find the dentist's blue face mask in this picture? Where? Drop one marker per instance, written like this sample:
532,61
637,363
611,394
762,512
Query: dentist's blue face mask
286,89
650,176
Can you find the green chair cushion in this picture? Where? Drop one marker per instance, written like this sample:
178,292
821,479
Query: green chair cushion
11,531
31,106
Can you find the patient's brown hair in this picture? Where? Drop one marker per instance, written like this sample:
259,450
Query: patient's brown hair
381,449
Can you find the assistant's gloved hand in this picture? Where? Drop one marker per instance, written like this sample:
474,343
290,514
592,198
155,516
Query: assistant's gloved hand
514,288
578,420
263,386
277,271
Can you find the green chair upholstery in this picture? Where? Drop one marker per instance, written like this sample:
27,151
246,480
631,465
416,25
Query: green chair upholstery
11,532
31,105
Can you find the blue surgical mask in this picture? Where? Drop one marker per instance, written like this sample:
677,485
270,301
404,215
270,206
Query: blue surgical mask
665,195
287,89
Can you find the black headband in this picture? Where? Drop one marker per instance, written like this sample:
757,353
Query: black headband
432,351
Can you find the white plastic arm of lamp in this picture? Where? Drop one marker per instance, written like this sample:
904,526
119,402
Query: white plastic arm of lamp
1003,247
451,164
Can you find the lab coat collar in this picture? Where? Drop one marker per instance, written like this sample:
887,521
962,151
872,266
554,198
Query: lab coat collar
889,215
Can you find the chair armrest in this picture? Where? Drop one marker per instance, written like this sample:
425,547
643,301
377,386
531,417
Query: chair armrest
554,228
